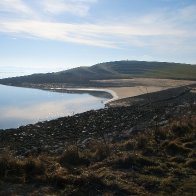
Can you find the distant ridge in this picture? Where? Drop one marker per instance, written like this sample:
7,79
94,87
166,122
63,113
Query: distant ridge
109,70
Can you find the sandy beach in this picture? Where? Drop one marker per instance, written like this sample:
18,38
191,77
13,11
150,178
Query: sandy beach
136,86
144,85
116,89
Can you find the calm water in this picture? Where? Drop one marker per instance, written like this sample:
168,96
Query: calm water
22,106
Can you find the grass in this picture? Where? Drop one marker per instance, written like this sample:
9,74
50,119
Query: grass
72,157
152,162
108,70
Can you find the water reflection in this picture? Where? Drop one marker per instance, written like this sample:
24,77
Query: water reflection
26,106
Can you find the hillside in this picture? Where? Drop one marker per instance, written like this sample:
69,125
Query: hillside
147,148
109,70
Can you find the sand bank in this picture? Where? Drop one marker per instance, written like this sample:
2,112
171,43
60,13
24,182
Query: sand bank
123,88
143,85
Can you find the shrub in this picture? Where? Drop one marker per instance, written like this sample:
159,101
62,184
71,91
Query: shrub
192,154
188,187
155,170
168,185
72,157
4,165
34,166
164,143
151,183
126,162
181,130
174,148
190,144
162,133
134,161
130,145
145,161
101,153
149,151
142,141
177,159
191,163
10,165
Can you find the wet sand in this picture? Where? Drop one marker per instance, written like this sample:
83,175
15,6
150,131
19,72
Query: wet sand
125,92
136,86
116,89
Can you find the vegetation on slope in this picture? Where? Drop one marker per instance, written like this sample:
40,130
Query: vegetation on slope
156,161
110,70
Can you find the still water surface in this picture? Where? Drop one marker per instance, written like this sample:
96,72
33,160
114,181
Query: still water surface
22,106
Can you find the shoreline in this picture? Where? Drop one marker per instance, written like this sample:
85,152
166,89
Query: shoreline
116,88
117,93
116,96
55,134
93,150
109,91
125,88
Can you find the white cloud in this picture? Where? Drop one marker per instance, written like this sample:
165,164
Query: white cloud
187,14
55,31
75,7
15,6
50,109
22,7
164,26
89,34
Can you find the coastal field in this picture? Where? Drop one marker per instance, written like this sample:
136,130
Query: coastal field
145,148
137,86
141,143
87,76
117,88
97,98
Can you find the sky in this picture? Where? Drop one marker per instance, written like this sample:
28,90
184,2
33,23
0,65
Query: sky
54,35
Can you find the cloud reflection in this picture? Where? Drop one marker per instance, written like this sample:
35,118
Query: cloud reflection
51,109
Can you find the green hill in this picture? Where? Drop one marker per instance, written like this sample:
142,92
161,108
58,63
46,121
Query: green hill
110,70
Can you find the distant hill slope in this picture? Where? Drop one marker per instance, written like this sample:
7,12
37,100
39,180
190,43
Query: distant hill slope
110,70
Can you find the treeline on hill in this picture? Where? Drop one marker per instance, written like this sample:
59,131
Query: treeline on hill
110,70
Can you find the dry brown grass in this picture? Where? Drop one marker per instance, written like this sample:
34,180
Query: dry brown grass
146,164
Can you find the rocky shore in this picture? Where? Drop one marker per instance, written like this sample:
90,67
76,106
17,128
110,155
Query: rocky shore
119,119
137,146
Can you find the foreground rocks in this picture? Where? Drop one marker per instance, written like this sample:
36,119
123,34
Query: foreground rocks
112,122
145,148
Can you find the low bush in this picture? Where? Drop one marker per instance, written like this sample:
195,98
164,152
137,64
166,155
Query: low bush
33,166
181,130
188,187
130,145
190,144
177,159
125,162
134,161
72,157
149,151
101,153
174,148
155,170
142,141
162,133
191,163
151,183
168,185
10,165
145,161
192,154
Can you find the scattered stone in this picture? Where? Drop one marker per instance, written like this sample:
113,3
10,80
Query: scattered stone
53,136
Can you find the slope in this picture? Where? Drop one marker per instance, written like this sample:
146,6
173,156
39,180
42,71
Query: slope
109,70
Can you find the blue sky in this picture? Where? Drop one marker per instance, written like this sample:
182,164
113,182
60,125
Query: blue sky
53,35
